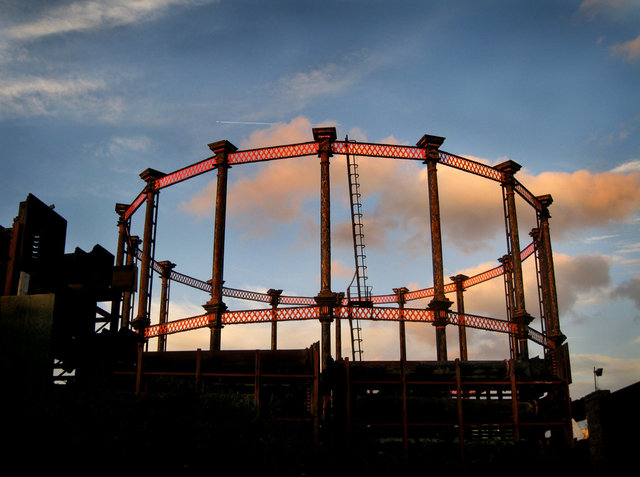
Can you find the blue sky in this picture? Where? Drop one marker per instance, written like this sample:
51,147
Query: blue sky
94,92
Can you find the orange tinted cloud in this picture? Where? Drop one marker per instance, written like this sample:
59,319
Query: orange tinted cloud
395,201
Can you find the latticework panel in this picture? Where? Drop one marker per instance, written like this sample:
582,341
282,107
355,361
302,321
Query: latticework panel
271,153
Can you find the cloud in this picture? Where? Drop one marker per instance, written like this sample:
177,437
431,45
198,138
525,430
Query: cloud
629,290
627,167
630,50
36,96
297,130
82,16
395,197
618,373
580,278
327,79
259,204
584,200
121,154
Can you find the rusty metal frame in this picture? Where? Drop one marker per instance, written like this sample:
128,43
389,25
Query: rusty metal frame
303,307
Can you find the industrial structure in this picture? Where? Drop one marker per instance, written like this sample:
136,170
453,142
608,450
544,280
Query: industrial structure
53,325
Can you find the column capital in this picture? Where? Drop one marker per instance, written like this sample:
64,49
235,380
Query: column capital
167,266
458,279
508,168
429,141
521,317
325,137
505,260
545,200
150,175
400,293
275,296
222,149
121,208
140,323
431,144
535,234
325,134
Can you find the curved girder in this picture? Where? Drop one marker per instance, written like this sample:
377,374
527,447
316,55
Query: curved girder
373,314
302,300
390,151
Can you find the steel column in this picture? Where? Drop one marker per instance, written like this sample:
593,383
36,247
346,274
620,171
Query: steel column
275,299
326,299
400,294
509,298
520,315
548,275
164,301
142,319
462,329
134,242
439,304
122,237
215,306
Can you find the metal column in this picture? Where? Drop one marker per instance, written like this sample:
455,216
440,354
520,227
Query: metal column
326,299
122,237
462,329
142,319
134,242
215,306
275,299
164,301
520,315
439,304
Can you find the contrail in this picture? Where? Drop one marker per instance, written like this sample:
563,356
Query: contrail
243,122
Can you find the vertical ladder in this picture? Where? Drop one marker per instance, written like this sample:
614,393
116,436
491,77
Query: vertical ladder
359,289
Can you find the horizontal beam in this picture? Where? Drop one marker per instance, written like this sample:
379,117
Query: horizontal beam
373,314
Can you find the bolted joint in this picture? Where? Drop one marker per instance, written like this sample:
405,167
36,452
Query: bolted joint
141,323
400,295
440,307
215,312
459,281
523,320
557,337
327,301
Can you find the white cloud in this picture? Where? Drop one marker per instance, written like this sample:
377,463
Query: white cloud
81,16
600,237
36,96
630,166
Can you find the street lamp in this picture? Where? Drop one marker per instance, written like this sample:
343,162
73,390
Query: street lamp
596,372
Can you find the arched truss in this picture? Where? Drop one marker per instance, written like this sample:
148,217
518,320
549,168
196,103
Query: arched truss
305,308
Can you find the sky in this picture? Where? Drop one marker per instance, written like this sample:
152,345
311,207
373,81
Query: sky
94,92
